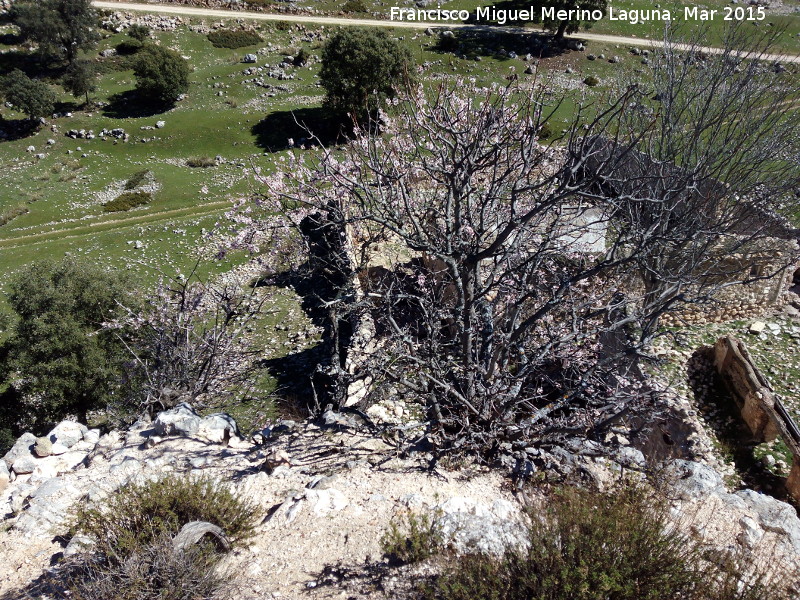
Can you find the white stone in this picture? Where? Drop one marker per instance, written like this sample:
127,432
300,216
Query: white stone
756,327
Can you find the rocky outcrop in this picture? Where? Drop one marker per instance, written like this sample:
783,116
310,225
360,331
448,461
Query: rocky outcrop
329,498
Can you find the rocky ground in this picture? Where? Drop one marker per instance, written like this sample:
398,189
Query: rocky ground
328,493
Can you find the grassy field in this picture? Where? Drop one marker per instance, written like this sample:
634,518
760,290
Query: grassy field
225,115
51,199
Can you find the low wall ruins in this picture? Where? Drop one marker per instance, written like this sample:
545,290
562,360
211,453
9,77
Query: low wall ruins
761,410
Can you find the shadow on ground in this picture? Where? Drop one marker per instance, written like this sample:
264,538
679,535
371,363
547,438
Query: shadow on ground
493,43
130,105
721,414
306,126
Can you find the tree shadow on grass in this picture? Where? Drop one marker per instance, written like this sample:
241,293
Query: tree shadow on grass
489,41
305,126
130,105
17,129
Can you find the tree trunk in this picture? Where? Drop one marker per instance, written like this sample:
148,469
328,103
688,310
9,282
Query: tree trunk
562,29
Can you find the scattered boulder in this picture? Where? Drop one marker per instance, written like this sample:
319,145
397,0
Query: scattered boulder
22,447
5,476
773,515
182,420
250,58
694,480
67,433
218,428
471,527
194,531
757,327
160,124
43,447
24,464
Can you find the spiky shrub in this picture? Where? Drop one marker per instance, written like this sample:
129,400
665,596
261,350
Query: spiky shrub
585,545
127,200
412,539
133,557
233,39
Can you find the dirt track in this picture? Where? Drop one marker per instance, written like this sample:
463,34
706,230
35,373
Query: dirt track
187,11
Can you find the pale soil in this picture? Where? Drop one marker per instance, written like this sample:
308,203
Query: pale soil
341,523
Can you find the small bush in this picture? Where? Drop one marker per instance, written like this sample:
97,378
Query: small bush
414,541
137,179
301,58
127,201
129,47
156,572
224,38
201,162
11,213
545,132
139,32
591,81
137,514
133,557
354,6
283,26
585,545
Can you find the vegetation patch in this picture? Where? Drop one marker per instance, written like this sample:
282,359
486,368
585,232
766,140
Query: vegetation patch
127,201
201,162
138,179
133,557
11,213
591,81
412,539
586,545
225,38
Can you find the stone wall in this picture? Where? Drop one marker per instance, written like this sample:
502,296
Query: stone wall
761,410
745,300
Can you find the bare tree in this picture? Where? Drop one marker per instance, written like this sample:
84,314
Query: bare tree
501,277
702,172
189,340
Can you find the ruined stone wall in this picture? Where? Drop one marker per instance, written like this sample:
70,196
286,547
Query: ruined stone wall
761,410
742,301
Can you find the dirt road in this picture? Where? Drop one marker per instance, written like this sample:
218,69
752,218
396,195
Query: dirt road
188,11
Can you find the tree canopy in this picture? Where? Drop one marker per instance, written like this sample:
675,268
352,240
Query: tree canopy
27,95
361,68
58,356
561,26
61,28
80,79
162,75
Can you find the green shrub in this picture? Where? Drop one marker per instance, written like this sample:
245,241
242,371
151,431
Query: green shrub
585,545
127,201
129,46
301,58
201,162
162,75
137,179
225,38
545,132
71,364
591,81
133,557
12,212
415,540
283,26
156,572
354,6
139,32
136,515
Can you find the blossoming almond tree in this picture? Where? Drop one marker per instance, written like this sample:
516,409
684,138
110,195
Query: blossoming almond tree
498,280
